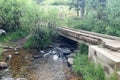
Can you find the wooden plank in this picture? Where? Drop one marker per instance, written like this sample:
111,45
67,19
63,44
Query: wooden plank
93,33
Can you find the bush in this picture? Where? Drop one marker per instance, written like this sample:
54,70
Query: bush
18,14
108,23
30,17
10,13
110,27
40,38
42,26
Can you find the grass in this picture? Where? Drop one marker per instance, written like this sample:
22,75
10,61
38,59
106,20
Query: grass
83,67
12,36
1,53
88,70
113,77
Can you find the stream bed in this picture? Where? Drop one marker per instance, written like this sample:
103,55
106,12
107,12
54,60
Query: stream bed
52,63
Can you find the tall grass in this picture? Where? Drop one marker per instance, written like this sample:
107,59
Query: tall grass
113,77
89,71
12,36
1,54
83,67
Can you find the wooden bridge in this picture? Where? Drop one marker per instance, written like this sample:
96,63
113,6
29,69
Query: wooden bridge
103,49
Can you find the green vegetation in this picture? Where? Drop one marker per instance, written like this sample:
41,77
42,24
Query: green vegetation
83,49
55,2
113,77
23,17
39,19
40,38
79,6
88,70
0,54
13,36
100,16
13,12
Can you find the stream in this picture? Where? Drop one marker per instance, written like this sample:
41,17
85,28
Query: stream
52,63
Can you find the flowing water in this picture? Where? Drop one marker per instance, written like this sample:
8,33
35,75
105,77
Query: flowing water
50,63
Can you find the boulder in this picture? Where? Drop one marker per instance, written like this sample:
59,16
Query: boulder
70,56
54,52
70,61
6,70
66,51
58,49
37,56
50,46
2,32
46,55
3,65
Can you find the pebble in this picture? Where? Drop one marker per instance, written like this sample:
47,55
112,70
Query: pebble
55,57
21,79
42,52
6,70
8,57
3,65
16,53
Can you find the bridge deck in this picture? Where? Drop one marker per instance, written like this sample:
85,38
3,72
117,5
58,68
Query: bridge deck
110,42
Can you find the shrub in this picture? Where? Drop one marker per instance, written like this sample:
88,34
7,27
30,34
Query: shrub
17,14
10,13
40,38
30,16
